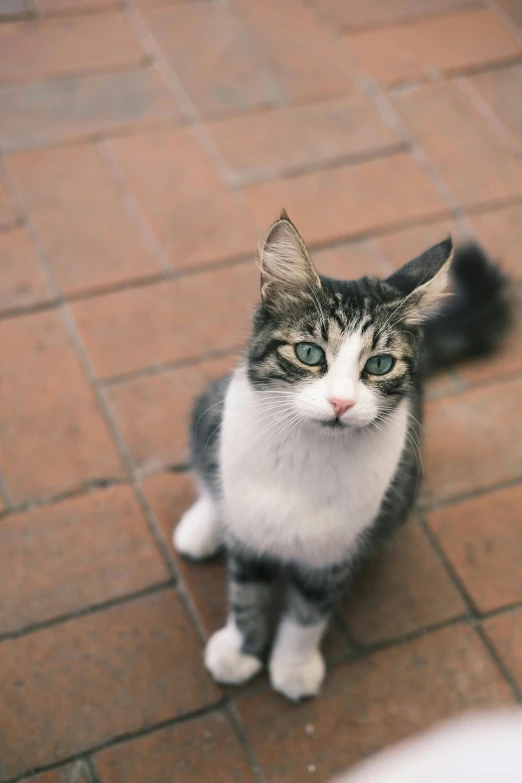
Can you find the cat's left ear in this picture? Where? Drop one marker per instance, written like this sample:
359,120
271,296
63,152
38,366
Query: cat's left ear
424,281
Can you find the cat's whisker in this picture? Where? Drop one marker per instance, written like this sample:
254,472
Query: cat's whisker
269,405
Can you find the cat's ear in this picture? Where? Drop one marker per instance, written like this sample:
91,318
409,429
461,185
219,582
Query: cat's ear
424,281
287,271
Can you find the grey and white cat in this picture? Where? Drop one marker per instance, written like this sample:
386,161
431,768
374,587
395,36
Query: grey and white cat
306,457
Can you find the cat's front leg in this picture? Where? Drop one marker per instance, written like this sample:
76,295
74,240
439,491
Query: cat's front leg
297,666
233,654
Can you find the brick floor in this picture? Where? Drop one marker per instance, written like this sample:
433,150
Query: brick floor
145,148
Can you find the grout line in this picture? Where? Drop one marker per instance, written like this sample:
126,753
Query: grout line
87,611
145,474
93,485
231,710
18,82
507,22
180,582
449,75
132,206
154,52
398,641
486,112
503,668
438,504
259,176
399,21
500,610
168,367
251,39
93,770
67,13
115,130
5,497
358,649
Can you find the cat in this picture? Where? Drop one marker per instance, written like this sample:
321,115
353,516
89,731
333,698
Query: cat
307,456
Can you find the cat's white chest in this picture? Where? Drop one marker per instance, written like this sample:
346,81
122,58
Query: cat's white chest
296,493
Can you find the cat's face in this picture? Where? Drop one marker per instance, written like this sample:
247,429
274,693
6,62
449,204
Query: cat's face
339,354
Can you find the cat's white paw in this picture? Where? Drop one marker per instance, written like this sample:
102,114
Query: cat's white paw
198,533
224,659
297,678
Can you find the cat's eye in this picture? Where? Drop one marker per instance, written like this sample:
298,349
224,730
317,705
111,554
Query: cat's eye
310,354
379,365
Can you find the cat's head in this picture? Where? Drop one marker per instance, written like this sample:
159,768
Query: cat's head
340,354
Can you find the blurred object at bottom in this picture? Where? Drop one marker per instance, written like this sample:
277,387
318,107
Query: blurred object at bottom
477,748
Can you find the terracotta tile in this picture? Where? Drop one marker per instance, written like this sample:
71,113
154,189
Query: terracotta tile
401,246
212,55
67,45
75,108
505,631
167,322
482,539
88,237
89,550
507,361
47,407
354,199
8,211
500,89
371,703
170,495
380,12
101,676
143,411
289,137
499,231
203,749
22,278
306,59
403,589
349,262
466,152
193,214
77,772
473,440
440,44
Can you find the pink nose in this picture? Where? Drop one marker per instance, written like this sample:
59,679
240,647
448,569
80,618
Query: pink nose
340,406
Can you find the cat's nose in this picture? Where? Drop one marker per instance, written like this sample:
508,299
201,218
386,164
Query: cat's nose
340,406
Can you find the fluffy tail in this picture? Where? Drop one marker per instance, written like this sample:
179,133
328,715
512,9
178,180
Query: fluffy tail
474,320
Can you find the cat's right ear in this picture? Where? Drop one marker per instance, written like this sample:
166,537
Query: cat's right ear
287,271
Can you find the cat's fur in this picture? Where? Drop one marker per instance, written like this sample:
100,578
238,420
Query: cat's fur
292,489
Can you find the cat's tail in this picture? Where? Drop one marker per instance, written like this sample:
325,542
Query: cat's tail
474,319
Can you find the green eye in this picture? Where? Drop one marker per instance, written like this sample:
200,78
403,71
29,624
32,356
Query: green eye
308,353
379,365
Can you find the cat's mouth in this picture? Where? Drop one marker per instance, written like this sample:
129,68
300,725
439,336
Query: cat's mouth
334,424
